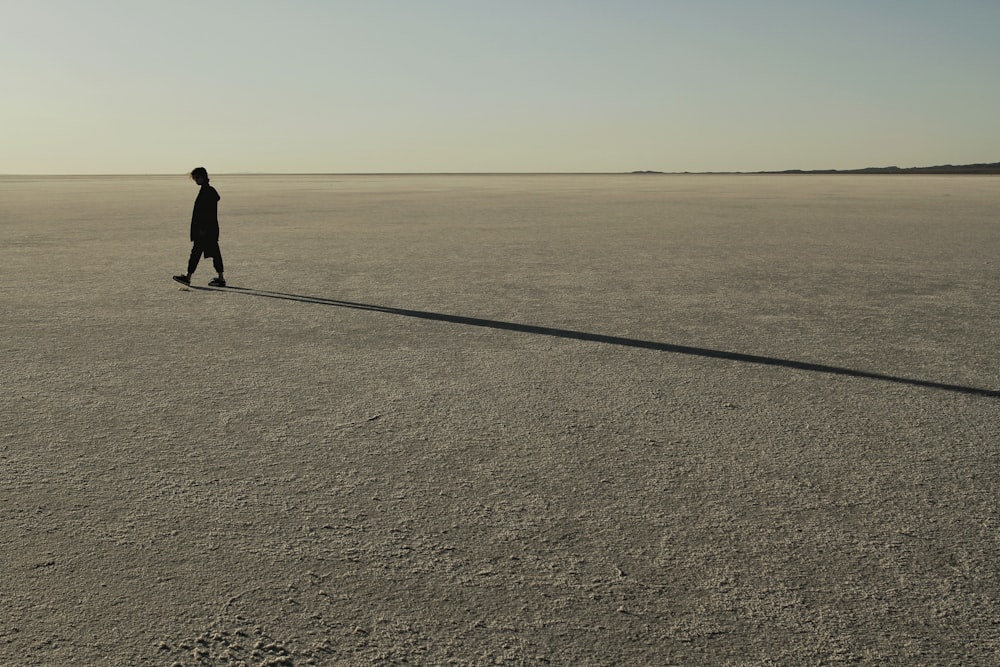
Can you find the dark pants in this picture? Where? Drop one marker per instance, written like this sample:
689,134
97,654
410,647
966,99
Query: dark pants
208,249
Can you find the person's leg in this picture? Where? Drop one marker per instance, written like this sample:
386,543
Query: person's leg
216,254
195,257
217,259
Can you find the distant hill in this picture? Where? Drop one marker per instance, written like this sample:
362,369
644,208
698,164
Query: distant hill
983,168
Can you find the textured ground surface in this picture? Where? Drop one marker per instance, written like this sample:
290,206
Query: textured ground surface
478,420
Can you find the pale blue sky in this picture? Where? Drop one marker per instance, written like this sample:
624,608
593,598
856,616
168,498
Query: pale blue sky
135,86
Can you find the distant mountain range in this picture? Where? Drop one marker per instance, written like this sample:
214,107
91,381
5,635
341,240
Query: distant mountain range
982,168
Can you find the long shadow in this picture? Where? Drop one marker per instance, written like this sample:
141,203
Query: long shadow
611,340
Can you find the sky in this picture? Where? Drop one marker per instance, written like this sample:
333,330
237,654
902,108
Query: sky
431,86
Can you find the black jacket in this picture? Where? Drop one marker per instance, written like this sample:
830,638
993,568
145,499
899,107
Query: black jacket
205,217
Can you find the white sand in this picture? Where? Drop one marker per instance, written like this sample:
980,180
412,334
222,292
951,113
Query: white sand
206,478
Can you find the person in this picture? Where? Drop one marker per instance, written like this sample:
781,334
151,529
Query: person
204,230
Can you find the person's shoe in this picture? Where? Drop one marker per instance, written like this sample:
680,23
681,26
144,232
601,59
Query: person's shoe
182,279
217,282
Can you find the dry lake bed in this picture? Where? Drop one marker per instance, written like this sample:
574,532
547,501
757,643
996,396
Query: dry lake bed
545,419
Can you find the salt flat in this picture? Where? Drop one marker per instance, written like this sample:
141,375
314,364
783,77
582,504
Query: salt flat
502,419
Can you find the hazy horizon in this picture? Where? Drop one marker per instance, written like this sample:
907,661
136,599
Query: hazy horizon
449,87
638,173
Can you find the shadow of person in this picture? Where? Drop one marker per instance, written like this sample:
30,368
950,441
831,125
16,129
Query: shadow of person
612,340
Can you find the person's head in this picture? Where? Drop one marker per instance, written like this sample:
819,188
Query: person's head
199,175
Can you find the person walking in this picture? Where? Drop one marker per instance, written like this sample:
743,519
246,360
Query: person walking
204,230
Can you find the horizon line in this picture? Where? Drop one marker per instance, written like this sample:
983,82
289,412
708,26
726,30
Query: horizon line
972,168
944,170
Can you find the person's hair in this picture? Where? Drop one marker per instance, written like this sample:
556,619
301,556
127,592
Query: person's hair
199,171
